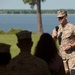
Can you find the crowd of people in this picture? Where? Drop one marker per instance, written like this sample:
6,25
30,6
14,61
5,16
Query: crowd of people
47,59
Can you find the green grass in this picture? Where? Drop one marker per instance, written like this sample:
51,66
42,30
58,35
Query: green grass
12,40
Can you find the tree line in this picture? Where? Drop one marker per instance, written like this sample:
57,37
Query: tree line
23,11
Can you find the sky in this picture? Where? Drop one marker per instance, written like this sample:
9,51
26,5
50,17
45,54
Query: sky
48,4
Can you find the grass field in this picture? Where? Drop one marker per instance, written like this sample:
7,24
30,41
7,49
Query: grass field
12,40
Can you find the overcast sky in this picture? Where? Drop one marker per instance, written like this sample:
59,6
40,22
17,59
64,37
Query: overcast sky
48,4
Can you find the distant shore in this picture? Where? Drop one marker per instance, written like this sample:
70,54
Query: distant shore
23,11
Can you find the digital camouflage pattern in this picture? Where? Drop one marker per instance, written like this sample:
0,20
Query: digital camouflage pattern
67,38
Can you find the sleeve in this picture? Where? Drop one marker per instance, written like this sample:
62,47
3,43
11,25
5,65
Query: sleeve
53,32
73,29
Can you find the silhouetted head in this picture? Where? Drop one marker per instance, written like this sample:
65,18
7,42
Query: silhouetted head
24,39
46,47
5,55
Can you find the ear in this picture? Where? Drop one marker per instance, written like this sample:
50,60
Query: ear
18,44
31,44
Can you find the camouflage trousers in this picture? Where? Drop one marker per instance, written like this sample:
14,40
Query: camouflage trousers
69,61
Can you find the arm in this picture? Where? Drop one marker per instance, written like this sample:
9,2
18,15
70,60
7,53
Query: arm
54,34
70,47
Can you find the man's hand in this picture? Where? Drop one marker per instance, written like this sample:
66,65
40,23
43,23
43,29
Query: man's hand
68,48
55,34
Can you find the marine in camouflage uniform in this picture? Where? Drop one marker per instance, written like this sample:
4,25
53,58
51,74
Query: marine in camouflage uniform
25,63
5,57
66,38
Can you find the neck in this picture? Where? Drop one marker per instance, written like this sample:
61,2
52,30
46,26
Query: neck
25,50
64,24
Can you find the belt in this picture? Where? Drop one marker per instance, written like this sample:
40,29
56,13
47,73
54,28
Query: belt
70,50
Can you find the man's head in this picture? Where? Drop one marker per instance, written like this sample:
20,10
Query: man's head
5,55
4,48
24,39
62,17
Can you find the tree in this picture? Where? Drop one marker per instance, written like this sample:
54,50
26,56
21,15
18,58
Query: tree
39,19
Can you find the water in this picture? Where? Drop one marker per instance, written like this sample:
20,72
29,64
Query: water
29,21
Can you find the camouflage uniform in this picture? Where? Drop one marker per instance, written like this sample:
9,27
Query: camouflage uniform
3,70
27,64
67,38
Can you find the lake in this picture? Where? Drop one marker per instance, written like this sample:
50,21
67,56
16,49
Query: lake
29,21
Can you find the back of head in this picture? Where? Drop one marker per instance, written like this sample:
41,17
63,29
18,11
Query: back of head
5,55
46,47
46,41
24,40
24,35
4,48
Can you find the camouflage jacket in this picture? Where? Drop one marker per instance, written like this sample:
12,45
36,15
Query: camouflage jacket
27,64
67,36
